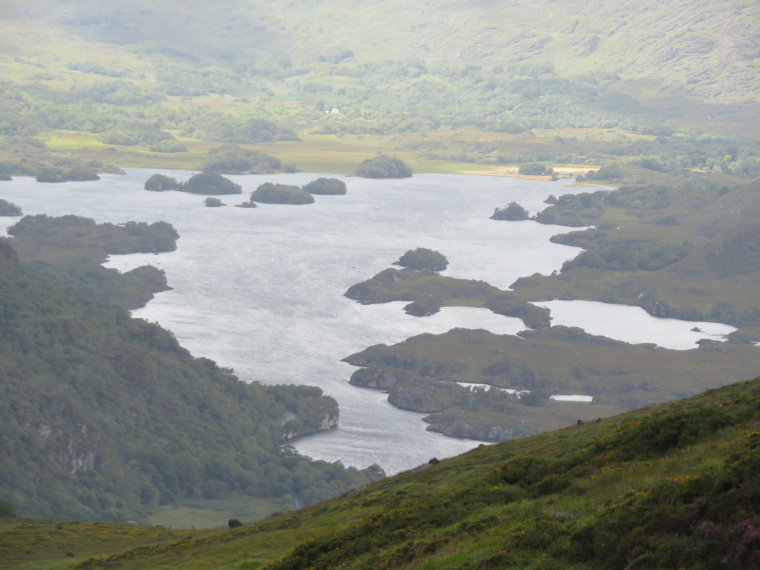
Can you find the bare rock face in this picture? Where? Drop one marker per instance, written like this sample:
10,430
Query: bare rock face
323,415
76,443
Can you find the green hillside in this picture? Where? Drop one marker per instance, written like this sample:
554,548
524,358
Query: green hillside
107,417
97,76
673,486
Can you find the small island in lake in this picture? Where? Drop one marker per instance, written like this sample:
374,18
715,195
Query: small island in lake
270,193
9,209
513,212
326,186
201,183
423,258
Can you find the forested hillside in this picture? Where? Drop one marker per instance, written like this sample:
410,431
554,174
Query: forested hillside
674,486
104,416
157,76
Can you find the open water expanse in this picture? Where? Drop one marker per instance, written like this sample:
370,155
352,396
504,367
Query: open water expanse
261,290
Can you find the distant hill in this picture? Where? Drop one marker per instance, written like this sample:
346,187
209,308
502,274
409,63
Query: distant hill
387,66
699,47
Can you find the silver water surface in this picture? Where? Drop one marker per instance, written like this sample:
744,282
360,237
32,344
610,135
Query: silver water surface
261,290
634,324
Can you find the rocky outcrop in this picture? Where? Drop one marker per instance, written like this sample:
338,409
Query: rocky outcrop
416,397
323,415
381,355
380,378
75,442
425,395
380,289
424,307
458,426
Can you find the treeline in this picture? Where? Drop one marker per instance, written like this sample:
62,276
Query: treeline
377,98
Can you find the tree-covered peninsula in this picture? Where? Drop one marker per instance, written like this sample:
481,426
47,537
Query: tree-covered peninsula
105,416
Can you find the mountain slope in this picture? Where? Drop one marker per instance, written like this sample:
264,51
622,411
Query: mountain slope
675,486
702,47
390,66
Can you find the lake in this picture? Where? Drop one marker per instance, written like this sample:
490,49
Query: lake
261,290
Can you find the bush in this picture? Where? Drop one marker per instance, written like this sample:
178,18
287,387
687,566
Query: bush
210,183
535,169
608,172
513,212
326,186
213,203
231,159
9,209
269,193
534,398
77,174
423,258
161,183
384,166
80,174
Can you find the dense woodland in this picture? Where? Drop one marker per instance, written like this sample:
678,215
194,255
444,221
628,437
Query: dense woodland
105,416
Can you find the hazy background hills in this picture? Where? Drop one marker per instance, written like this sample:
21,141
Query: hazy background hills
396,67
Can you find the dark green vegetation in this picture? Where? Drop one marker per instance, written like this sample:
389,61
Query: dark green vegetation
68,251
533,169
213,203
383,166
669,487
161,183
270,193
104,416
201,183
231,159
9,209
686,248
75,174
330,186
423,259
425,288
513,212
419,373
210,183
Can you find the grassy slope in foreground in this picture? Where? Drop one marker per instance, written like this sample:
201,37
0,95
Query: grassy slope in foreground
671,486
